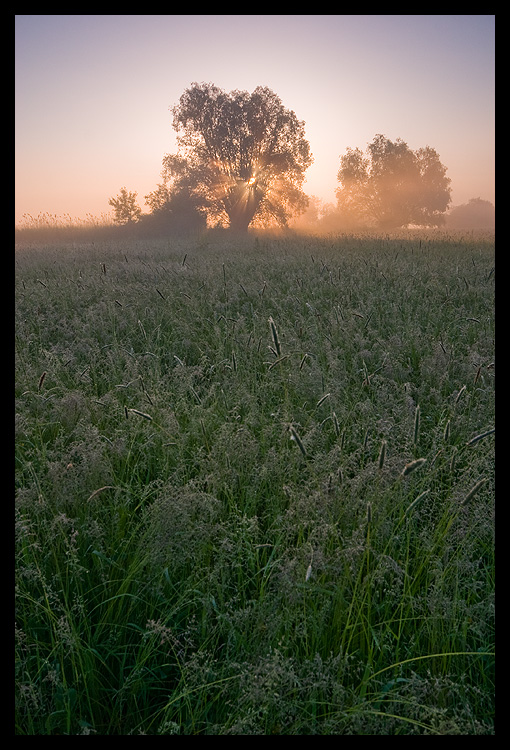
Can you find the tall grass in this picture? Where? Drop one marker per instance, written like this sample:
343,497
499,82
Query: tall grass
226,525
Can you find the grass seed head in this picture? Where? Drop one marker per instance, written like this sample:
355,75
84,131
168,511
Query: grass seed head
446,433
141,414
474,489
321,400
459,394
101,489
294,436
336,425
416,501
416,425
412,466
382,454
276,339
308,572
481,436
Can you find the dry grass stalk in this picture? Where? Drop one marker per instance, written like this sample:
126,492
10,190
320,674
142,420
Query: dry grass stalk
41,381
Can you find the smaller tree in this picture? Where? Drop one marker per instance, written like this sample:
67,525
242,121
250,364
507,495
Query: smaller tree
125,209
392,186
476,214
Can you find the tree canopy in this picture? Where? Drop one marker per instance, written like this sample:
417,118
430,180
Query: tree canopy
392,186
241,156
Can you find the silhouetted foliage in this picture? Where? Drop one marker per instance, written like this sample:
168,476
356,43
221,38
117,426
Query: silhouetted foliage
241,156
476,214
174,209
392,186
125,208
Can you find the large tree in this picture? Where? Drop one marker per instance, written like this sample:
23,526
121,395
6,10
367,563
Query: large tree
391,186
243,156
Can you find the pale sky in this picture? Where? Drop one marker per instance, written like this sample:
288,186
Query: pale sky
94,92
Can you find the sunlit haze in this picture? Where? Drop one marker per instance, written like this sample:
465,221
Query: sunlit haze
94,92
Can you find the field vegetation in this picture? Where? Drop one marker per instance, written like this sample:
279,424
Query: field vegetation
255,486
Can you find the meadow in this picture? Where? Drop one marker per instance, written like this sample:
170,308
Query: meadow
255,486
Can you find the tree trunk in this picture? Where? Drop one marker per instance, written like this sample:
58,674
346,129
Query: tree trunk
243,207
240,221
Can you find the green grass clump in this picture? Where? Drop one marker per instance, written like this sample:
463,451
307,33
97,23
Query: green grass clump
254,487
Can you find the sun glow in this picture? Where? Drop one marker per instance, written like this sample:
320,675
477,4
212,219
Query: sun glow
252,181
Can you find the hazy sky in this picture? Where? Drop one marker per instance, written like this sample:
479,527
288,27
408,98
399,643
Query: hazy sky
93,94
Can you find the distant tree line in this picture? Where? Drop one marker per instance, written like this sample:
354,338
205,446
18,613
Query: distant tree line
241,163
475,214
